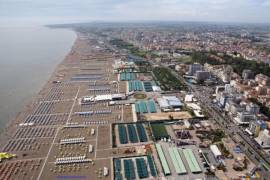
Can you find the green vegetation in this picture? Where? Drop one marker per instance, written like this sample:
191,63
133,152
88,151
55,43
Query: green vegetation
243,166
224,150
154,55
263,109
119,43
185,59
202,58
166,79
238,63
246,162
140,96
144,66
214,135
159,131
190,111
217,135
206,156
113,136
221,167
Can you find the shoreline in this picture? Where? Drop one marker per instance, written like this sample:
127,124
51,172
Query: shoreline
12,124
29,57
37,143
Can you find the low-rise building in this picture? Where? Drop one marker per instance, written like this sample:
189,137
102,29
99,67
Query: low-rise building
253,108
222,98
189,98
163,104
193,68
255,127
261,90
262,79
216,152
173,101
233,108
244,118
228,89
219,89
264,139
168,103
202,75
247,74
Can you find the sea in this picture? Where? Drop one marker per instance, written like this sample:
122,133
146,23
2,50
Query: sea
28,56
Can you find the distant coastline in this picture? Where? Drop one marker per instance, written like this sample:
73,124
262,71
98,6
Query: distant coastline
29,55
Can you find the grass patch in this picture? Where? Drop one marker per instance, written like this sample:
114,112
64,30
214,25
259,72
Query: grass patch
166,79
143,66
159,131
119,43
185,59
214,135
140,96
224,150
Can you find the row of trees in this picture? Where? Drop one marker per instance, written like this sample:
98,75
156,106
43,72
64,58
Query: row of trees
119,43
238,63
166,79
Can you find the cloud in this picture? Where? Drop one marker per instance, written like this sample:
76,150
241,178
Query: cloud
119,10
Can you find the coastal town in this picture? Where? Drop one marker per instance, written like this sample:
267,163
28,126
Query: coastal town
148,102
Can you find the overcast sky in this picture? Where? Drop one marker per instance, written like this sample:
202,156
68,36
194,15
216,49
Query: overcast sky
63,11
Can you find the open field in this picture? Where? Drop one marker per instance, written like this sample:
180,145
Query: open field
166,79
168,116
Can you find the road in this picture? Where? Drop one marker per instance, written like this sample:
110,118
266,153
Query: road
247,143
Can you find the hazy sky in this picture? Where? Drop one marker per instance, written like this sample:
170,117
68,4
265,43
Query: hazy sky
57,11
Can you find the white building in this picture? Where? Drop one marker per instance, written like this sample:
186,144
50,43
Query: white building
119,65
196,109
222,98
163,103
173,101
214,149
233,108
253,108
219,89
255,127
169,102
189,98
244,118
262,79
228,88
264,139
156,89
103,97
